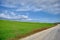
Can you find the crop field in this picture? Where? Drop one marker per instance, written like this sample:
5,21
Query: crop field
13,29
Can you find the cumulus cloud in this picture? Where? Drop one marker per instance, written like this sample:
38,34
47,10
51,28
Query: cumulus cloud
12,15
4,16
18,17
52,6
7,16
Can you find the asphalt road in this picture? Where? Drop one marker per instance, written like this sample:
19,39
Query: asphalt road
49,34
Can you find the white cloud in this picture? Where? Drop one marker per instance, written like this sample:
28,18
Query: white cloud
23,16
12,15
23,9
29,19
52,6
5,16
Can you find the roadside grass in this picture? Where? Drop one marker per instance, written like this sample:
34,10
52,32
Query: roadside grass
12,29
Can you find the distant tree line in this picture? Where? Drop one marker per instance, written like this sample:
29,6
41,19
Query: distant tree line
57,23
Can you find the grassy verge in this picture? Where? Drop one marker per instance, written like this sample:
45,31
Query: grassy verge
12,29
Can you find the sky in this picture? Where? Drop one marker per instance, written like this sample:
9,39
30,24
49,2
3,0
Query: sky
30,10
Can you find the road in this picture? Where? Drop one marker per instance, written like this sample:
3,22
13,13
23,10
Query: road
49,34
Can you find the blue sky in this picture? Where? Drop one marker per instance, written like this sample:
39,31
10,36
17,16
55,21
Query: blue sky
30,10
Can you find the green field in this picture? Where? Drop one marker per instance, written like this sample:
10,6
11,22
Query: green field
11,29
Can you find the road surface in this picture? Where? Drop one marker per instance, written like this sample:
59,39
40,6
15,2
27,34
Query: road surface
49,34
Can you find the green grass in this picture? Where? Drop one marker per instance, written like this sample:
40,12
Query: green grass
10,29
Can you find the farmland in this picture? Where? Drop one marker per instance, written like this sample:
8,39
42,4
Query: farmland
13,29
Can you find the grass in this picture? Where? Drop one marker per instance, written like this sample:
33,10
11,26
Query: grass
11,29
